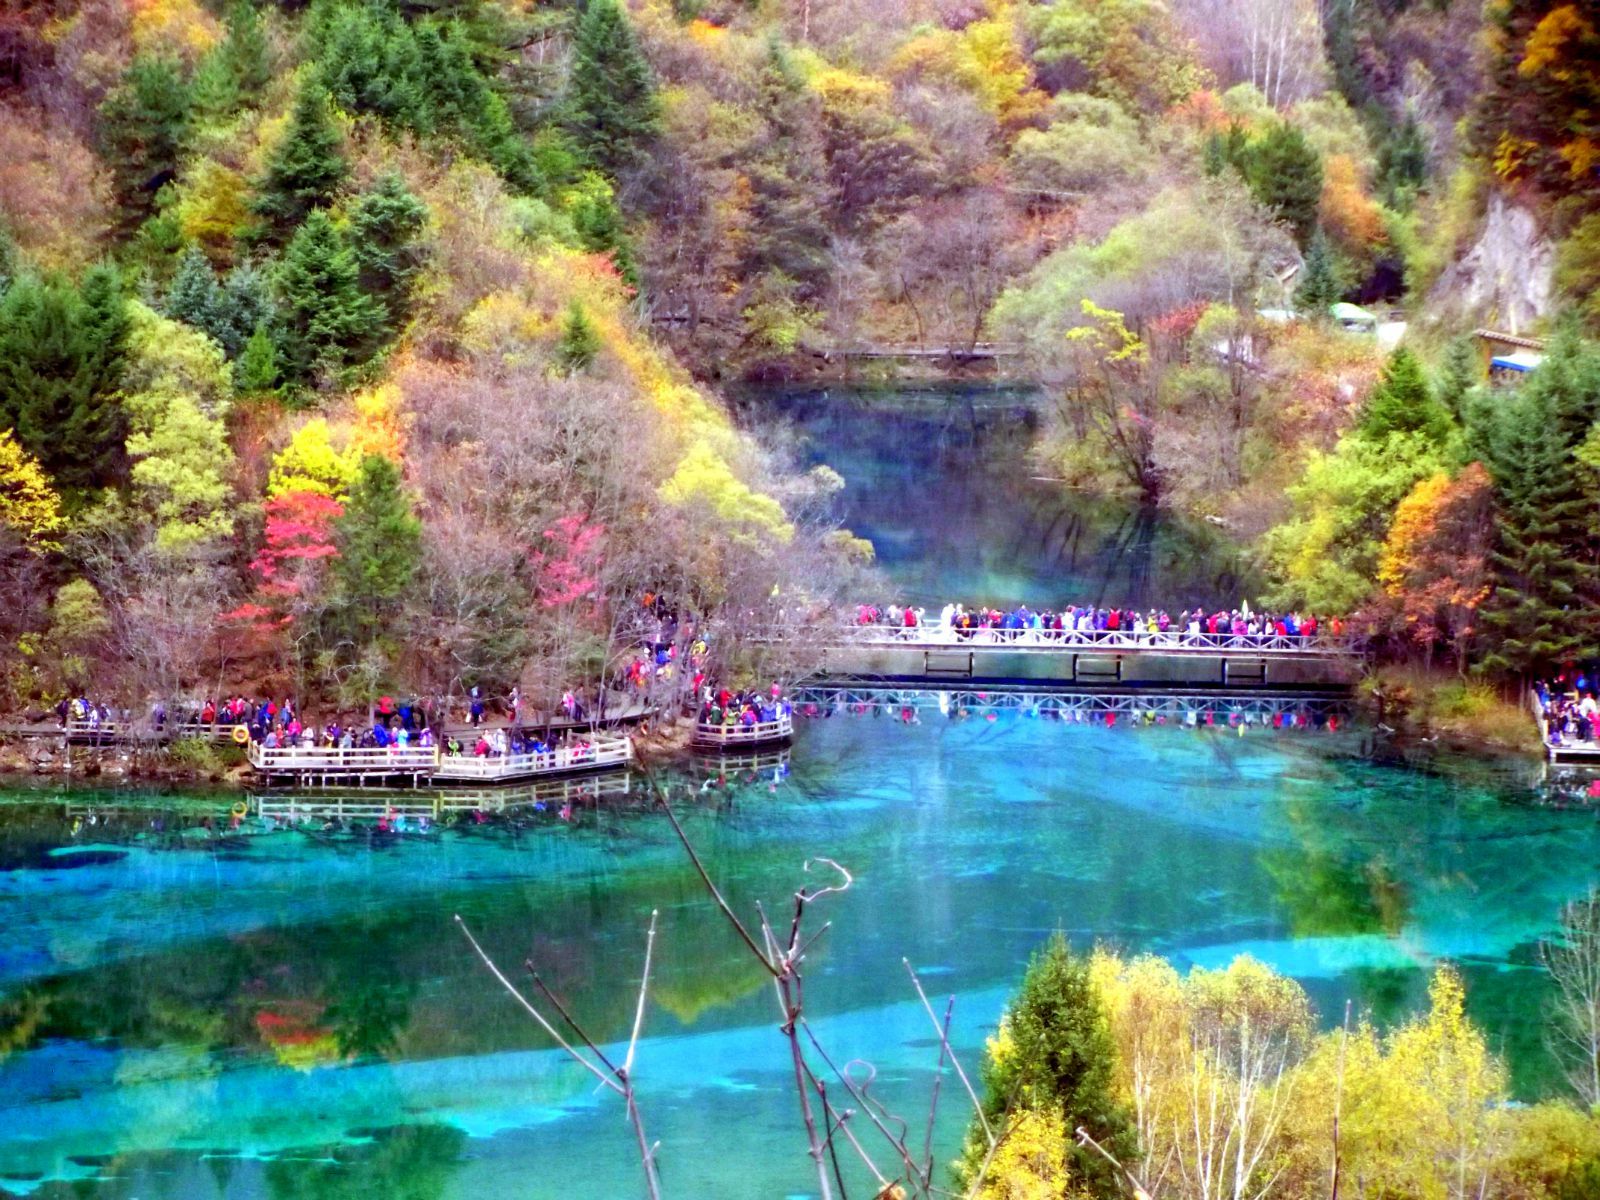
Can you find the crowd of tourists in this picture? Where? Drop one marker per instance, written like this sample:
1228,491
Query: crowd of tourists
1570,708
514,743
751,707
1237,623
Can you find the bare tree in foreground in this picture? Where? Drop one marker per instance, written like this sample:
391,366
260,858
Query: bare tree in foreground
1574,965
831,1123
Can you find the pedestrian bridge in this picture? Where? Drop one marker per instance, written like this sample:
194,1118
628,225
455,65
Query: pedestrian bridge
1080,657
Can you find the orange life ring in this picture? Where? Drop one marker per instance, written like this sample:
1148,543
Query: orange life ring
241,734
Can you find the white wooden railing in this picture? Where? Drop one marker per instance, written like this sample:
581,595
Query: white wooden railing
740,734
336,760
601,751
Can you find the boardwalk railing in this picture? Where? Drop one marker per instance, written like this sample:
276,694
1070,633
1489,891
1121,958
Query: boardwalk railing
602,751
80,729
336,760
717,737
940,637
425,762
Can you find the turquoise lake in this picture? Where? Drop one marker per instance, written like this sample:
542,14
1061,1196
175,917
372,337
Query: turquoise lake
194,1006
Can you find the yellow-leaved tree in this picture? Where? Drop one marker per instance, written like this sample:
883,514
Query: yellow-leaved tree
29,506
312,463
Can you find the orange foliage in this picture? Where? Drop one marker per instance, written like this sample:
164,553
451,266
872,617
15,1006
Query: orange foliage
1351,217
1202,111
1435,562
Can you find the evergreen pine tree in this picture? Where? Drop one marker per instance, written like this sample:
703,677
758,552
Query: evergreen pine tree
1403,164
371,62
1285,175
1319,288
61,354
243,303
1402,402
236,70
788,181
1542,608
386,227
193,295
612,109
579,341
322,312
1459,372
213,90
143,126
10,258
1060,1056
380,547
306,170
255,373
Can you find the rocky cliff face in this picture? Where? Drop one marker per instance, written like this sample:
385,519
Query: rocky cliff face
1505,279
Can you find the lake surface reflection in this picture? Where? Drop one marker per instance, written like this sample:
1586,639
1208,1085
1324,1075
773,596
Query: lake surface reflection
941,483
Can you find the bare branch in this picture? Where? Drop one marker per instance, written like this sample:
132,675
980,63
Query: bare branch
644,987
972,1094
535,1013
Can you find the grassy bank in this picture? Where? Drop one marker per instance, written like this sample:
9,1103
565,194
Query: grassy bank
1464,714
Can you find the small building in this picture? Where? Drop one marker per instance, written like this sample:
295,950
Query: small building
1507,357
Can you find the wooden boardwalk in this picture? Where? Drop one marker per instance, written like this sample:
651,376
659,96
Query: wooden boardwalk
739,736
1573,753
325,765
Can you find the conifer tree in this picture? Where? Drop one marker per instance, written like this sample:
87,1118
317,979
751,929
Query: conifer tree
1542,609
256,371
1402,402
1285,175
386,227
788,181
10,258
1319,289
246,48
580,342
1403,164
236,71
143,126
380,547
193,295
612,109
370,62
323,313
61,354
1060,1059
1460,371
243,303
306,170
